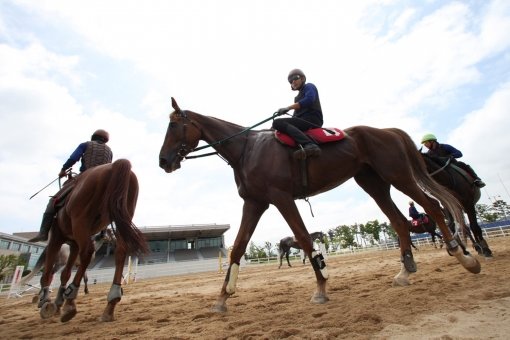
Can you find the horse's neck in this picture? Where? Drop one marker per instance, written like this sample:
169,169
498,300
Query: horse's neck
215,130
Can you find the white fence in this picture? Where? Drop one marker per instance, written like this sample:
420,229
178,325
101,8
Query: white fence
211,265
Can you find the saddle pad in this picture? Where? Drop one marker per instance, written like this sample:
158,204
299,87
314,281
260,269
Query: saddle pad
320,135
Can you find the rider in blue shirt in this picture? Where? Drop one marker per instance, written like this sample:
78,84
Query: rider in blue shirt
92,153
307,115
439,150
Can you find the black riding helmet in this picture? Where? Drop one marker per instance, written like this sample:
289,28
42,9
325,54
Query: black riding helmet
295,74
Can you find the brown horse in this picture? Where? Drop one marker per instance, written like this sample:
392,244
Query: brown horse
266,173
290,242
61,261
426,226
465,191
101,195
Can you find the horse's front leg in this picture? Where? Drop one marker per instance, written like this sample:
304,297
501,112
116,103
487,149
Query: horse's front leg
65,275
71,292
47,308
288,209
115,293
252,211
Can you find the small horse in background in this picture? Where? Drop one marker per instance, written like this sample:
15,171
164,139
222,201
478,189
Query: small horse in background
426,225
290,242
102,195
463,188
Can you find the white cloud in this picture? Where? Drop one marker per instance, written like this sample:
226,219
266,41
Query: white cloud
377,63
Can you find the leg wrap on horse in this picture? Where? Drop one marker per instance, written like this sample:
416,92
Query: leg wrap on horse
44,296
71,292
232,274
408,261
318,263
114,293
452,244
59,300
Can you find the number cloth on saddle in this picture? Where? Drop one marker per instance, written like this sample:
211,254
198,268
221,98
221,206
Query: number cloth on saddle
319,135
422,220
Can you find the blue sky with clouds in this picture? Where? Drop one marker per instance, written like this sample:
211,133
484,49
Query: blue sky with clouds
70,67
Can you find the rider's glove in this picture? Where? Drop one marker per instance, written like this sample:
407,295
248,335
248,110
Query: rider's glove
283,111
62,173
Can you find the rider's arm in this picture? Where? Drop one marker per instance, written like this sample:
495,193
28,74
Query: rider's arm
75,156
310,96
451,150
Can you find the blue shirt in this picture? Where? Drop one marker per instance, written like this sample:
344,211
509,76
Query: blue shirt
444,150
75,157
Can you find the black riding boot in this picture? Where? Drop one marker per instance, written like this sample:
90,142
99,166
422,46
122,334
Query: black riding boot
477,181
46,223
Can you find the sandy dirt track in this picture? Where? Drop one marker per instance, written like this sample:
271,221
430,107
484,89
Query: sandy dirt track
443,302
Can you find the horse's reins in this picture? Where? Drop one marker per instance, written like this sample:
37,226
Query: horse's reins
441,168
183,152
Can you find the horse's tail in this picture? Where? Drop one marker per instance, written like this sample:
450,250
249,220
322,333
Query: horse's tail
426,182
120,201
38,265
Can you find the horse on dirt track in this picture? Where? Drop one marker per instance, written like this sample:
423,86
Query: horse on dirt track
101,195
266,173
61,260
290,242
426,226
465,191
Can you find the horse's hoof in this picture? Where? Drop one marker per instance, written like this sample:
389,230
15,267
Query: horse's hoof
475,268
400,282
68,315
35,299
219,308
106,318
319,299
48,309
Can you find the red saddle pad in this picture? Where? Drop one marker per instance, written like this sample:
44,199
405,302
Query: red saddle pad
320,135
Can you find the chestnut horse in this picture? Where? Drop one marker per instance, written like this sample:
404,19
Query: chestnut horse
266,173
465,191
290,242
102,195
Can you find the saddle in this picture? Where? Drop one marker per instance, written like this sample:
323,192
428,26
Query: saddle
319,135
420,221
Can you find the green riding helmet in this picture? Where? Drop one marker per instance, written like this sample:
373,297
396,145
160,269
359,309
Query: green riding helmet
428,137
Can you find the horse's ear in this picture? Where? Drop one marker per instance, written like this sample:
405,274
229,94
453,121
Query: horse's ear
175,106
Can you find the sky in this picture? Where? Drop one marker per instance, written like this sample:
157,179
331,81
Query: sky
70,67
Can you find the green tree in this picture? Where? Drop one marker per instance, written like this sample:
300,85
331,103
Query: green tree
371,231
8,264
485,213
268,246
501,209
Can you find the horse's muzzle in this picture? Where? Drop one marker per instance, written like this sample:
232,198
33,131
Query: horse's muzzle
163,163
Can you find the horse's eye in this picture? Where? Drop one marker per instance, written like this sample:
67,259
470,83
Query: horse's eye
173,124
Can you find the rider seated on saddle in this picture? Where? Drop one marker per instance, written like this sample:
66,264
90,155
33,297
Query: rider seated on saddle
414,214
92,153
447,151
307,115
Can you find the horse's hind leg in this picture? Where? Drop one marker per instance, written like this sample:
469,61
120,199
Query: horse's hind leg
65,275
252,211
115,293
478,234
